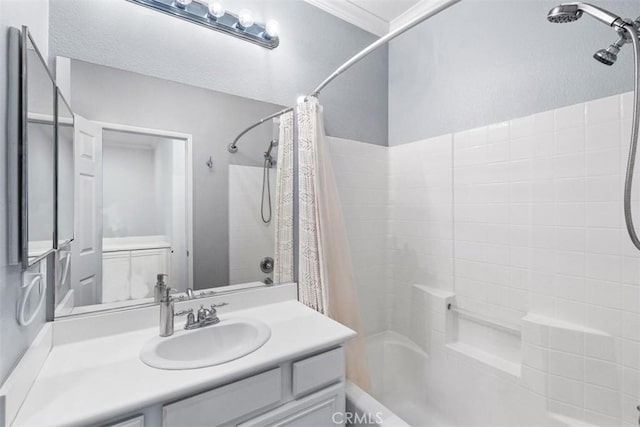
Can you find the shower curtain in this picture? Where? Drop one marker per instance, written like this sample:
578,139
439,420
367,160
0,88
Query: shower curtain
283,258
326,273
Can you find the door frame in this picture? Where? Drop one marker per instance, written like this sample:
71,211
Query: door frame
188,139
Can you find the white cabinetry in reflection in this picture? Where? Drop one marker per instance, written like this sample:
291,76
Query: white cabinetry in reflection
129,268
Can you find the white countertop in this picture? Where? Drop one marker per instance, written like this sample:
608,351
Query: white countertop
92,381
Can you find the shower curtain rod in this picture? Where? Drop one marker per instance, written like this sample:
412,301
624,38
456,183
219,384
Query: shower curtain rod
233,148
436,9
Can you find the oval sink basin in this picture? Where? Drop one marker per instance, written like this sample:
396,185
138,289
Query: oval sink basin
212,345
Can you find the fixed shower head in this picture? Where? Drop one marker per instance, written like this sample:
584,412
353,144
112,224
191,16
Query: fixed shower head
564,13
605,57
609,55
569,12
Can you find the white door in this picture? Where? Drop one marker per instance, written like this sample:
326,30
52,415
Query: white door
86,275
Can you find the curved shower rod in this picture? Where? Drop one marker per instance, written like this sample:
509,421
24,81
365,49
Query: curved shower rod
436,9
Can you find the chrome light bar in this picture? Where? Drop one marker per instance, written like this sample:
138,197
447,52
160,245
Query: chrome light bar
213,16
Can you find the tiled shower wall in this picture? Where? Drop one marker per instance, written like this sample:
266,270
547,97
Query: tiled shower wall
517,217
362,176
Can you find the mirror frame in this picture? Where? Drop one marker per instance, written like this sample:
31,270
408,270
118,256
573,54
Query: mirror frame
24,158
56,170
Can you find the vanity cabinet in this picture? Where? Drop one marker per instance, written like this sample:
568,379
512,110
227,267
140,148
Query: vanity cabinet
271,398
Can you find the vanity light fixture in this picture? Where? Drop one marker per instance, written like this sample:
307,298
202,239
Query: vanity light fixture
213,15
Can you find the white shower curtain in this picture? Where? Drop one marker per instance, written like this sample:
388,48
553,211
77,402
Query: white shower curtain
326,273
283,259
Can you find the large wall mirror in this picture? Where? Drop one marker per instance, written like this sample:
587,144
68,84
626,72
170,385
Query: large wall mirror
155,190
38,155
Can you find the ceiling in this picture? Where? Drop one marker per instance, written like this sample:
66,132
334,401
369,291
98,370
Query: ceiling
375,16
387,10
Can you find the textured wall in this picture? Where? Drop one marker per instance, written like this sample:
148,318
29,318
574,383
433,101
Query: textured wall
485,61
313,44
13,339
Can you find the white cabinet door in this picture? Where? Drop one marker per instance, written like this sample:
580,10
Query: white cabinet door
322,409
227,403
145,266
116,268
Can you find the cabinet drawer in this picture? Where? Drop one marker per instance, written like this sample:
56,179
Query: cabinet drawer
225,403
324,408
131,422
318,371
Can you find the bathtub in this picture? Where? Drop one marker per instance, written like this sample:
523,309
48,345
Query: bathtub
399,386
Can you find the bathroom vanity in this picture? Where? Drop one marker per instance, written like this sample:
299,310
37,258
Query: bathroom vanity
93,373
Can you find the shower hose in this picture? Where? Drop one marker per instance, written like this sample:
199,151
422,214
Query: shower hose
628,184
266,187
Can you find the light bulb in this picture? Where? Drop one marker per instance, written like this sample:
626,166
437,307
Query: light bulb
245,20
183,3
272,29
216,10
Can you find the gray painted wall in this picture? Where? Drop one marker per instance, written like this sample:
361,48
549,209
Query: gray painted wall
484,61
213,118
14,339
313,44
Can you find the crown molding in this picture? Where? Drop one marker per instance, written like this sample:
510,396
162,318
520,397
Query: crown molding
419,9
353,14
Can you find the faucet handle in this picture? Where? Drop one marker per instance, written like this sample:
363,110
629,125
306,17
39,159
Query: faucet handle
183,312
203,313
214,306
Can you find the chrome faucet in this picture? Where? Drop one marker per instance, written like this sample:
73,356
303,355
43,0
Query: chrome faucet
206,316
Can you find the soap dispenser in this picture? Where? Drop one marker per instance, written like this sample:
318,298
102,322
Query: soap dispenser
166,313
161,288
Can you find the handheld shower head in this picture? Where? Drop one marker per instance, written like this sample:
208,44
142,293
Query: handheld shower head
569,12
564,13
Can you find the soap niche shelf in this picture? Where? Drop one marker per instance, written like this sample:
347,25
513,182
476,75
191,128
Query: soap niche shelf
487,340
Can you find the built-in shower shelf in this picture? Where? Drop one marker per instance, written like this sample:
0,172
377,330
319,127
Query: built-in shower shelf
506,366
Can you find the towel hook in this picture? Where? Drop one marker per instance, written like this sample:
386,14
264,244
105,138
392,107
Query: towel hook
210,163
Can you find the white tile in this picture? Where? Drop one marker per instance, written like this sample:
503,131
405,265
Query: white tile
534,380
544,122
601,347
571,116
534,356
566,365
602,136
603,110
606,188
601,373
602,400
631,382
566,340
604,162
566,390
498,132
521,127
570,140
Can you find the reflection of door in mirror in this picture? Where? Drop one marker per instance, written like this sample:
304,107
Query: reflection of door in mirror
131,211
86,274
